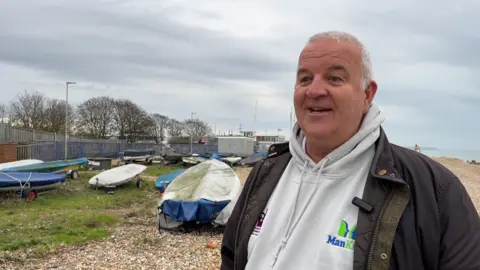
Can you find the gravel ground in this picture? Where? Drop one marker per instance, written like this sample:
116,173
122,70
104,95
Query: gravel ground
139,245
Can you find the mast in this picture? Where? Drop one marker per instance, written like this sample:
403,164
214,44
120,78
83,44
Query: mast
255,119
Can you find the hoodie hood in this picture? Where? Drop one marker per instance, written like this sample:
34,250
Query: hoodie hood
344,163
366,136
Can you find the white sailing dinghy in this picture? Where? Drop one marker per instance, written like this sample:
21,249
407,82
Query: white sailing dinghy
118,176
19,163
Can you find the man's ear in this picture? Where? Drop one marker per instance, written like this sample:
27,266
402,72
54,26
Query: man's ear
369,95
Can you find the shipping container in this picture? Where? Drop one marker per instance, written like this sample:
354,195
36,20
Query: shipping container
240,146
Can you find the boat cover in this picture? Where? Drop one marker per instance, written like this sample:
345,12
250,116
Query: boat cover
30,180
51,166
205,193
167,179
138,152
19,163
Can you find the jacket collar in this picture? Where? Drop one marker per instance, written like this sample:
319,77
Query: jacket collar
383,165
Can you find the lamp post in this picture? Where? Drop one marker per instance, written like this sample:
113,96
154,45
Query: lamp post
66,119
191,135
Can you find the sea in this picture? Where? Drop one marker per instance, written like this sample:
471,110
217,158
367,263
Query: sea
466,155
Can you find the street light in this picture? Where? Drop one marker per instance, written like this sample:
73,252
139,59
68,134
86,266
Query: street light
66,118
191,135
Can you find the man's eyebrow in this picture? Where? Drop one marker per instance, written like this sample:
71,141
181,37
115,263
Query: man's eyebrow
338,68
301,70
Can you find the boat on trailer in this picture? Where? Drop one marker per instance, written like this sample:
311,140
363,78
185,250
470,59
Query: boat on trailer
28,184
138,155
110,179
19,163
70,167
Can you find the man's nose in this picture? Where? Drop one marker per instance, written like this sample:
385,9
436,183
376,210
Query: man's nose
317,89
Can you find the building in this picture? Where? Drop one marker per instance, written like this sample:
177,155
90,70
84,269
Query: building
199,145
238,145
263,142
248,133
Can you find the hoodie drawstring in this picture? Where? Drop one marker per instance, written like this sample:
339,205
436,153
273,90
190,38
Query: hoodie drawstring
291,227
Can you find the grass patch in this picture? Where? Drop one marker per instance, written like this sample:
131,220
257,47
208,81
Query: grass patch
157,170
73,213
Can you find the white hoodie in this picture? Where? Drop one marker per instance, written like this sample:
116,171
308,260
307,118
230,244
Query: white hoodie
310,221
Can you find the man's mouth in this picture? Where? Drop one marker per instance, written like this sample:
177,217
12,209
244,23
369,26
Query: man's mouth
319,110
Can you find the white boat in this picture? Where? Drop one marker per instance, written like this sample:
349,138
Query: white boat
19,163
232,160
204,193
118,176
193,160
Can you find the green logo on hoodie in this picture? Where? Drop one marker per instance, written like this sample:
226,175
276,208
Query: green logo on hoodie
345,237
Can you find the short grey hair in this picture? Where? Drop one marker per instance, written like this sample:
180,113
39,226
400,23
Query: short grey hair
367,73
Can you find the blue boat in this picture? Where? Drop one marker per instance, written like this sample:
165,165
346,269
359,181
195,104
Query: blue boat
28,184
166,179
60,166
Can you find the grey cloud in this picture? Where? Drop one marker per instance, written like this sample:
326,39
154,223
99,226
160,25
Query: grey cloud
124,47
157,61
428,31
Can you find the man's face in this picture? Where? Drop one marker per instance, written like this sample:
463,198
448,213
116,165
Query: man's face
329,100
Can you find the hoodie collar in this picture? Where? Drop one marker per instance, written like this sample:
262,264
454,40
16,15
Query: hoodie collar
370,127
383,165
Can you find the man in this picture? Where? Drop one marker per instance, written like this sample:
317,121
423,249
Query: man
339,195
417,148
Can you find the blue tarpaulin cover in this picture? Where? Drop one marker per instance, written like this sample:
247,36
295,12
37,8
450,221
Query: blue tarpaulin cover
13,180
167,179
203,211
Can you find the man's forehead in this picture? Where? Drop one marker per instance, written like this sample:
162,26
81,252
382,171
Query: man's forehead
331,48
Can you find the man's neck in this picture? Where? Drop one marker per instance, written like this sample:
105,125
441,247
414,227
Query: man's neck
316,151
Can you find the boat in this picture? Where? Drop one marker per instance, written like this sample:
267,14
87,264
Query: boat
19,163
231,160
171,157
138,155
205,194
194,159
165,179
118,176
29,183
60,166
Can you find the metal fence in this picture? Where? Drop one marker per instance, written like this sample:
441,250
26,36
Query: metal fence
196,148
12,134
49,151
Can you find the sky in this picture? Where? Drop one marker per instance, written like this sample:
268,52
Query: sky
217,58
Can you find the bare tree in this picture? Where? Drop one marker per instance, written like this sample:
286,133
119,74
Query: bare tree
131,121
160,124
174,128
54,116
196,128
3,113
28,110
120,116
96,117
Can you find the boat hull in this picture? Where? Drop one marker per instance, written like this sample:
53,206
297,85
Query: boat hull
117,176
59,166
38,181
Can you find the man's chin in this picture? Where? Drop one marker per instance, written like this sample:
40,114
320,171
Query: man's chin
317,133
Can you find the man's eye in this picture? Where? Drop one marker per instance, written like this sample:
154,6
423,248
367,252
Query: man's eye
305,79
335,79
